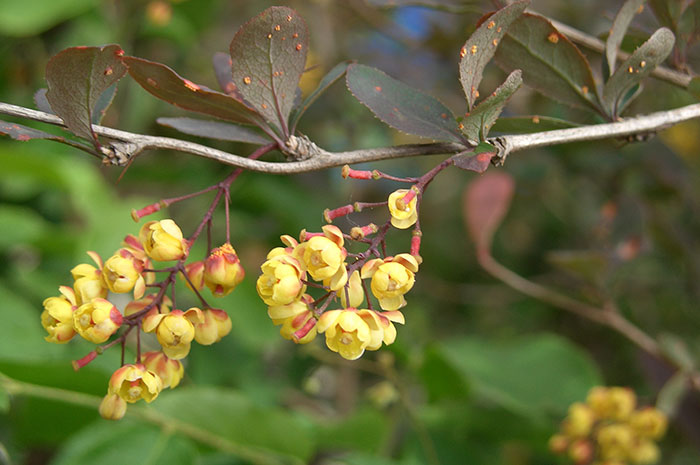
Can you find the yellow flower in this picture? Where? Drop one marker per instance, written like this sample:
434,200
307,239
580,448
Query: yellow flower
223,270
162,240
134,382
391,279
122,273
88,281
298,322
354,288
403,216
350,331
615,441
174,330
323,257
195,273
215,325
168,370
580,420
644,452
97,320
57,317
649,423
280,281
136,306
616,403
112,407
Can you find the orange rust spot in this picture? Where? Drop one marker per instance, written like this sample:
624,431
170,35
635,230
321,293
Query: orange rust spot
378,89
191,85
443,116
490,25
23,137
483,157
289,18
269,36
640,9
460,126
494,42
264,106
474,49
278,27
247,80
475,92
230,87
119,53
630,70
108,71
536,119
395,109
151,82
463,52
298,47
284,38
642,64
295,35
553,37
499,29
584,89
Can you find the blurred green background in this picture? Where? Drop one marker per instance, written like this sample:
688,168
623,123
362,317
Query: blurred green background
478,375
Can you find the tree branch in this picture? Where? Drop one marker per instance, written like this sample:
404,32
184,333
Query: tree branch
312,158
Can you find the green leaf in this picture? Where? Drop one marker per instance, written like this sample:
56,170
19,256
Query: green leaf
24,133
77,77
619,29
103,103
402,107
481,46
228,414
528,124
167,85
269,56
117,443
328,80
4,405
650,54
694,87
667,12
214,130
476,125
486,202
672,393
550,62
31,17
20,225
530,375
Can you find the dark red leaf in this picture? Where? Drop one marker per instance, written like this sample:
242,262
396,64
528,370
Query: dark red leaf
478,160
24,133
215,130
486,202
77,77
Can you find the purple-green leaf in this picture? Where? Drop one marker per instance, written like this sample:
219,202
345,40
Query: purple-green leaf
24,133
476,125
77,77
167,85
619,29
214,130
402,107
269,56
528,124
481,46
328,80
222,69
550,62
41,102
647,57
478,160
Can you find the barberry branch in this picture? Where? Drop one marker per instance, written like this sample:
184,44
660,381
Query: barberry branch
127,144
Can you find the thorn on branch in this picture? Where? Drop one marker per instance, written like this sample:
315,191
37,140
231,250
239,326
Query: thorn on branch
301,148
119,153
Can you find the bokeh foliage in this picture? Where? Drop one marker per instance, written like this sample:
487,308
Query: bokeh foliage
480,374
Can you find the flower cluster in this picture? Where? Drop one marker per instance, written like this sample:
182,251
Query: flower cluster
85,309
609,430
322,257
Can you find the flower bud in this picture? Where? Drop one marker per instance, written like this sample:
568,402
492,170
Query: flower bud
97,320
195,275
223,270
162,240
581,451
295,318
615,441
136,306
644,452
580,420
215,325
112,407
168,370
57,317
649,423
280,282
558,444
134,382
403,215
354,289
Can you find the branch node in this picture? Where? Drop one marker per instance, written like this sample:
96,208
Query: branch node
301,148
120,152
503,148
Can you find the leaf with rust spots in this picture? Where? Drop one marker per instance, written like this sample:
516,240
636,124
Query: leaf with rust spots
167,85
222,69
481,46
529,124
486,201
619,29
24,133
402,107
77,77
550,62
269,56
328,80
215,130
476,125
647,57
478,160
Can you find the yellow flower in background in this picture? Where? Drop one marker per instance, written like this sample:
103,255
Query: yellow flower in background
88,283
57,317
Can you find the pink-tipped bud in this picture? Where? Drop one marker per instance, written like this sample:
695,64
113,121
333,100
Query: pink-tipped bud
300,334
355,174
330,215
78,364
145,211
406,199
361,232
415,247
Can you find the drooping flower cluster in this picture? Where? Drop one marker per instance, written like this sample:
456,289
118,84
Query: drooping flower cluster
85,309
322,257
608,429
